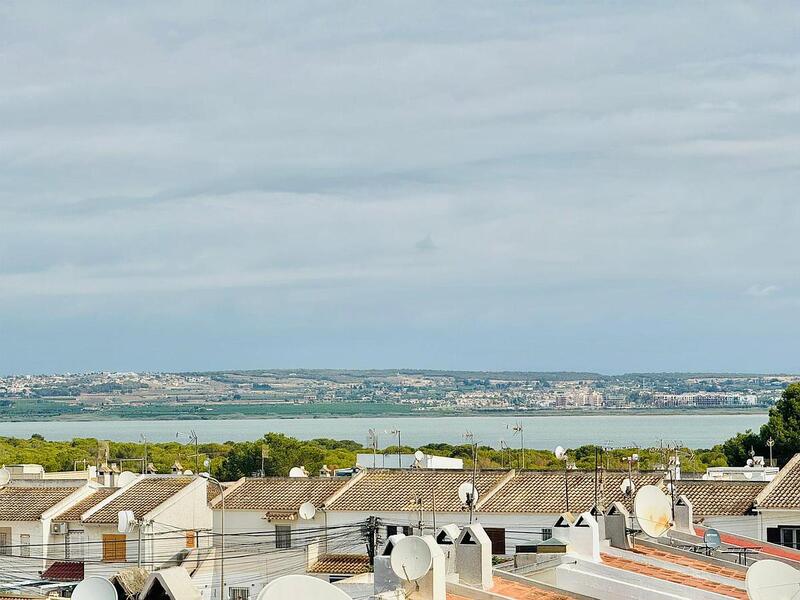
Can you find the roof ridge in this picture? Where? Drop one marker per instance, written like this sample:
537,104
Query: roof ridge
777,480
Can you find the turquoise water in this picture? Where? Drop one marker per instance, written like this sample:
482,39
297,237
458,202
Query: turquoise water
692,430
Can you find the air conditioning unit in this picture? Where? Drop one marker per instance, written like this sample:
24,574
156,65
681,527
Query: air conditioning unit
58,528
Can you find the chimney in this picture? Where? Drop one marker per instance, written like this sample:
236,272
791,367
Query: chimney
446,538
385,579
617,522
684,515
584,537
474,556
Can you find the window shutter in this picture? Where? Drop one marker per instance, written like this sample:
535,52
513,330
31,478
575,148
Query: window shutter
498,537
773,535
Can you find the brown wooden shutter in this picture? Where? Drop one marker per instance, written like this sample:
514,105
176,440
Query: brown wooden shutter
191,539
114,548
498,537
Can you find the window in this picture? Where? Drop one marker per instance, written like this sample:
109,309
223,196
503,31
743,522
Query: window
547,533
25,545
75,545
114,548
498,537
238,593
191,539
283,536
5,540
790,536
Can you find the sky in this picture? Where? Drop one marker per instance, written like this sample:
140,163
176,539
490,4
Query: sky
456,185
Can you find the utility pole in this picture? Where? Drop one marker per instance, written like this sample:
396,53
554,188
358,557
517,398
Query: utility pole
399,459
143,437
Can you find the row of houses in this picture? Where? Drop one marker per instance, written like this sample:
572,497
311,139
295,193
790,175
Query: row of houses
64,531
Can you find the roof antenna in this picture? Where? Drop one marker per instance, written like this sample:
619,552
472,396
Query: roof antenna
561,454
469,436
519,429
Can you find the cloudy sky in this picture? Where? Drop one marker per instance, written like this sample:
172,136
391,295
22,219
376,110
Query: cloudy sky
602,186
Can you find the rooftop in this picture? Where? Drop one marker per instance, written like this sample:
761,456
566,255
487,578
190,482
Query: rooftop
29,503
784,490
713,498
280,493
141,497
74,512
341,564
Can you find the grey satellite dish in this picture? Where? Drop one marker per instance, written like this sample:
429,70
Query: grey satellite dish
125,521
772,580
711,538
411,558
126,478
297,472
468,494
307,511
5,476
95,588
300,587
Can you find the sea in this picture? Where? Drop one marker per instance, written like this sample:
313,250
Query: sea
542,432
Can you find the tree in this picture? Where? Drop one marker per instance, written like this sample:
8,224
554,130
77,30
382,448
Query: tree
783,427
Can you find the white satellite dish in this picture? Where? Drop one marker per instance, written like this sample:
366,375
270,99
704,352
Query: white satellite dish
188,472
95,588
126,478
411,558
772,580
419,455
750,462
653,511
293,587
560,452
307,511
468,494
627,487
125,521
297,472
5,476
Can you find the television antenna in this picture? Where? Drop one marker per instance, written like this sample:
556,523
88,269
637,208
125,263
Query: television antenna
653,511
292,587
95,588
770,443
298,472
411,558
399,458
307,511
517,428
561,454
772,580
192,437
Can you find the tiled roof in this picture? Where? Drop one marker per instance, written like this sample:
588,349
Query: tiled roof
212,490
681,578
784,490
29,503
341,564
74,512
688,561
280,493
526,591
544,491
398,490
714,498
64,571
141,497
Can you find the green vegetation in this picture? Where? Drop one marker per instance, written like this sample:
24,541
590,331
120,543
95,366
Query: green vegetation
231,460
783,428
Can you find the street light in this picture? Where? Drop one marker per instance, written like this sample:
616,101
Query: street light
222,529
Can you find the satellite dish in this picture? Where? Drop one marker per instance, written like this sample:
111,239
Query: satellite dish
635,457
188,472
627,487
95,588
750,462
711,538
126,478
772,580
307,511
297,472
292,587
125,521
411,558
653,511
5,476
468,494
419,455
560,453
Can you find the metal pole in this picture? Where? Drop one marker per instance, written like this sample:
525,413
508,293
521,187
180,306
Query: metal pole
474,470
196,454
399,459
139,546
222,543
566,483
522,442
595,479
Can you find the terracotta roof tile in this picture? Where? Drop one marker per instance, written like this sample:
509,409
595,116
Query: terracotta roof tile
29,503
688,561
281,493
525,591
543,491
74,512
398,490
784,490
674,576
712,498
141,497
341,564
64,571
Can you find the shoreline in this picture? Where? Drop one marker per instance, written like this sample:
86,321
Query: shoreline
634,412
